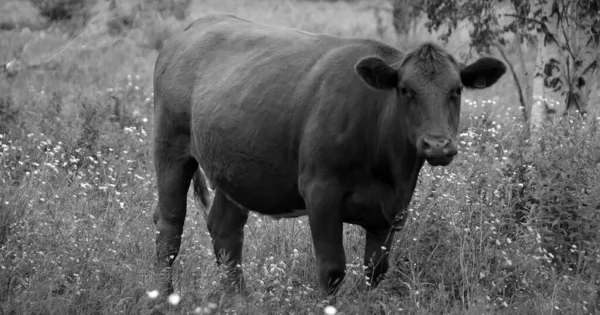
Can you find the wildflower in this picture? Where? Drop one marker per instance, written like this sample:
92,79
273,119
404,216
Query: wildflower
174,299
330,310
152,294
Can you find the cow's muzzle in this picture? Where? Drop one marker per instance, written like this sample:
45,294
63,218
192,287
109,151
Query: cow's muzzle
438,150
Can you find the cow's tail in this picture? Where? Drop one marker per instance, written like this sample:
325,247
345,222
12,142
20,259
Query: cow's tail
202,192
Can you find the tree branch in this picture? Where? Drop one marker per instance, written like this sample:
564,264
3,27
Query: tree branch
523,106
523,18
567,43
564,31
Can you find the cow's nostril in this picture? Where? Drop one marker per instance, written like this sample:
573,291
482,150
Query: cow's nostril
450,148
426,145
436,146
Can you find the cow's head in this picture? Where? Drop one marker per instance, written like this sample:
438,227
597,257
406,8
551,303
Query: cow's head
428,83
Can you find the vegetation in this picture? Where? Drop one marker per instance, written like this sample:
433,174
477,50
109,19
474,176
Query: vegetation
502,230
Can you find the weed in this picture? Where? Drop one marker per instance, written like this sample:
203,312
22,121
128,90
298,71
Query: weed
8,114
56,10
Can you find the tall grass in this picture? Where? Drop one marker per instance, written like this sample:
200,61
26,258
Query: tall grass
504,229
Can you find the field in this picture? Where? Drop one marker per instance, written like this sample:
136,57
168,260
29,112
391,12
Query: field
505,229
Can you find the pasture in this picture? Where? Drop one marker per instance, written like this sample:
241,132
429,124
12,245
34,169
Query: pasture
502,230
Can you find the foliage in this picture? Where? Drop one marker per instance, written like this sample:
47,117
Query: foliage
69,16
567,197
8,114
57,10
491,20
16,14
482,15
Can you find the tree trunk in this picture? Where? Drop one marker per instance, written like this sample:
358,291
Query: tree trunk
549,88
586,55
585,69
594,103
524,74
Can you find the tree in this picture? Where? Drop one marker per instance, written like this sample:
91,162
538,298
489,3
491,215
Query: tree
567,56
566,35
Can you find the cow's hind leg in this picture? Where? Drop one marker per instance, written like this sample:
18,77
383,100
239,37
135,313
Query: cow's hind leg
173,175
226,222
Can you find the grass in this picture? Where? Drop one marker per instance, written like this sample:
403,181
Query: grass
499,231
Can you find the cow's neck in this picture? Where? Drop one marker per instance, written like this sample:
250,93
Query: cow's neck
406,172
399,169
396,155
397,163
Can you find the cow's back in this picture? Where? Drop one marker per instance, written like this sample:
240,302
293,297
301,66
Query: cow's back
248,94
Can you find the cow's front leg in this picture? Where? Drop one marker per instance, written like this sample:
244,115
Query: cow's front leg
323,200
377,251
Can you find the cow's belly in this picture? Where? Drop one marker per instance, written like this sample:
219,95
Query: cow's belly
259,188
258,173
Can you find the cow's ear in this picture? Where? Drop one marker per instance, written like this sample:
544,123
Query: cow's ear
376,73
482,73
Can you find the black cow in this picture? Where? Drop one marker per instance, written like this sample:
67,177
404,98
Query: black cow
287,123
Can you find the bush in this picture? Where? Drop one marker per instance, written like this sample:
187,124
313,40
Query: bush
563,182
8,114
20,14
57,10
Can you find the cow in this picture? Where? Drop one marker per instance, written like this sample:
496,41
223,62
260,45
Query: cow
287,123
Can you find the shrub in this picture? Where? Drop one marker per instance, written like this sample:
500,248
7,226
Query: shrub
70,16
563,183
16,14
57,10
8,114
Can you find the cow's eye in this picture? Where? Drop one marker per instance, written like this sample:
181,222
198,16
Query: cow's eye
404,91
456,93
